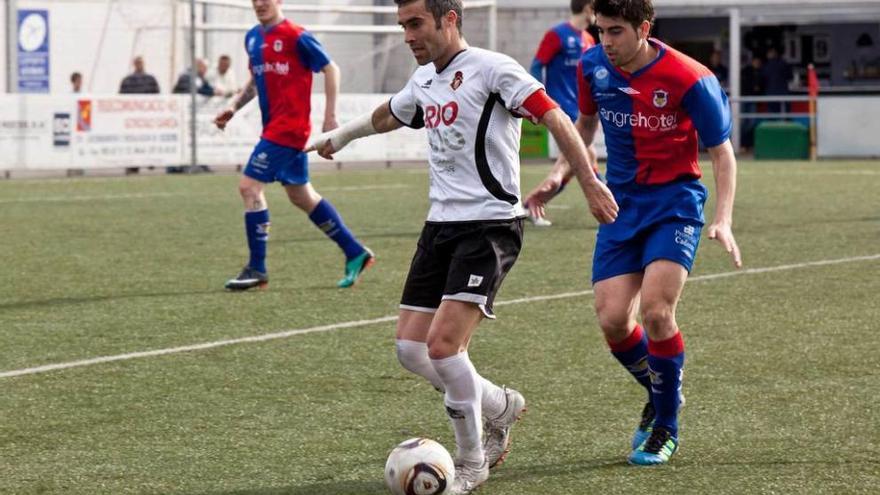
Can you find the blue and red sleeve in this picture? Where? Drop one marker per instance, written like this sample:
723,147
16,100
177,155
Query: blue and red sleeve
311,53
706,104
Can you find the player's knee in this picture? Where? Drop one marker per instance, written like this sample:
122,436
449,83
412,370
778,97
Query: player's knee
411,357
441,345
657,317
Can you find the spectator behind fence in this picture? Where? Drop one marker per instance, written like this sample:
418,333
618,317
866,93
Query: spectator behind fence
776,74
139,82
76,80
203,87
718,68
752,81
223,78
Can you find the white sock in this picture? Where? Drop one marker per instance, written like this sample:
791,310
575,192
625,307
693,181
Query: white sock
463,399
413,356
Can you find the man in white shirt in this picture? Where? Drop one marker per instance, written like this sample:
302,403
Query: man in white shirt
223,77
469,100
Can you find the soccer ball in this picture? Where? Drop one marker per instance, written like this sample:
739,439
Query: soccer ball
419,466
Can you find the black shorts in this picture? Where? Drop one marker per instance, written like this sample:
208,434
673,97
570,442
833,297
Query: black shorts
462,262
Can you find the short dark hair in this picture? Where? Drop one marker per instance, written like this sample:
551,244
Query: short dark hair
225,57
439,8
578,6
75,76
634,12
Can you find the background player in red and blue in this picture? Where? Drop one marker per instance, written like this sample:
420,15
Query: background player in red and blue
555,65
283,57
653,102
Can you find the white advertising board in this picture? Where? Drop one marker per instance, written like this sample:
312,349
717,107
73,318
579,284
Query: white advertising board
848,126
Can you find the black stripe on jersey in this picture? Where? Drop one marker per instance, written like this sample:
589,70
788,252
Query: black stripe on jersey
486,177
418,120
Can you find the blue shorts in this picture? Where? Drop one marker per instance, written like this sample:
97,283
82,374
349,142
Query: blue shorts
654,222
271,162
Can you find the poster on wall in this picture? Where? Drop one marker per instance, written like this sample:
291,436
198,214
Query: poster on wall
33,51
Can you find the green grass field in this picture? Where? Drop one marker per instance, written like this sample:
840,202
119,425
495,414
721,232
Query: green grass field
782,378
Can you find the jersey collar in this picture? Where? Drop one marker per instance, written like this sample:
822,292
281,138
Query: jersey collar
661,52
441,69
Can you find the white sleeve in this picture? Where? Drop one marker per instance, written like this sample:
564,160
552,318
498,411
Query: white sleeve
512,82
406,109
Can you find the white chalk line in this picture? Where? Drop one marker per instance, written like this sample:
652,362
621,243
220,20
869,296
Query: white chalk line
113,197
387,319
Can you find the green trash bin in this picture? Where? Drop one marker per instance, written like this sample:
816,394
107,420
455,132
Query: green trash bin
782,141
534,143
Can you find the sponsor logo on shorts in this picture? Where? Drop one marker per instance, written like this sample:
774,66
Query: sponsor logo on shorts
475,281
261,160
685,237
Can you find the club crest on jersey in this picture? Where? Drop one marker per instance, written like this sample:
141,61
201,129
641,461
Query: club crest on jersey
278,46
600,77
661,98
457,80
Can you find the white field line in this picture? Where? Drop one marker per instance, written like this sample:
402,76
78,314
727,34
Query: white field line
388,319
111,197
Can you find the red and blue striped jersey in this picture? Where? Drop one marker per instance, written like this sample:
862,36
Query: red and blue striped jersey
651,118
282,59
559,51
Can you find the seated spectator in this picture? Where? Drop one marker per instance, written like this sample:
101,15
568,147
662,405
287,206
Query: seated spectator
202,86
76,80
223,78
139,82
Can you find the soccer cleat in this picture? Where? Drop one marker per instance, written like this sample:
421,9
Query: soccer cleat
496,442
657,449
248,279
645,425
540,221
469,476
355,267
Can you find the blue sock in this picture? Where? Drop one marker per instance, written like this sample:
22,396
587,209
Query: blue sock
666,362
325,217
256,226
632,353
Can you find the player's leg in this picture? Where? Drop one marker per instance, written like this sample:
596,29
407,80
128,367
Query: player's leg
483,254
295,178
448,338
617,303
256,222
422,294
661,289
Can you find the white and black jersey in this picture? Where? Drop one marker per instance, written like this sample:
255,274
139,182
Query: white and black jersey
471,110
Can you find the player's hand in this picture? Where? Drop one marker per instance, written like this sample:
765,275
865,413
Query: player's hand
723,233
329,124
538,198
223,118
602,204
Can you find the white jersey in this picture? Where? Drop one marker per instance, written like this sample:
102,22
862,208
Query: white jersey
469,110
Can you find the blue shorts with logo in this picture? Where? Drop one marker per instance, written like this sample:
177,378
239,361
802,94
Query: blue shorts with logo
271,162
654,222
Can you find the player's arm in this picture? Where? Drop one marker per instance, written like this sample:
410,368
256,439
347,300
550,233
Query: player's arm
574,148
332,76
721,228
380,121
547,49
238,102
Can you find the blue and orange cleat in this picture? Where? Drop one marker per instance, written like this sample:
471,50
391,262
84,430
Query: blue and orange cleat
355,267
657,449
